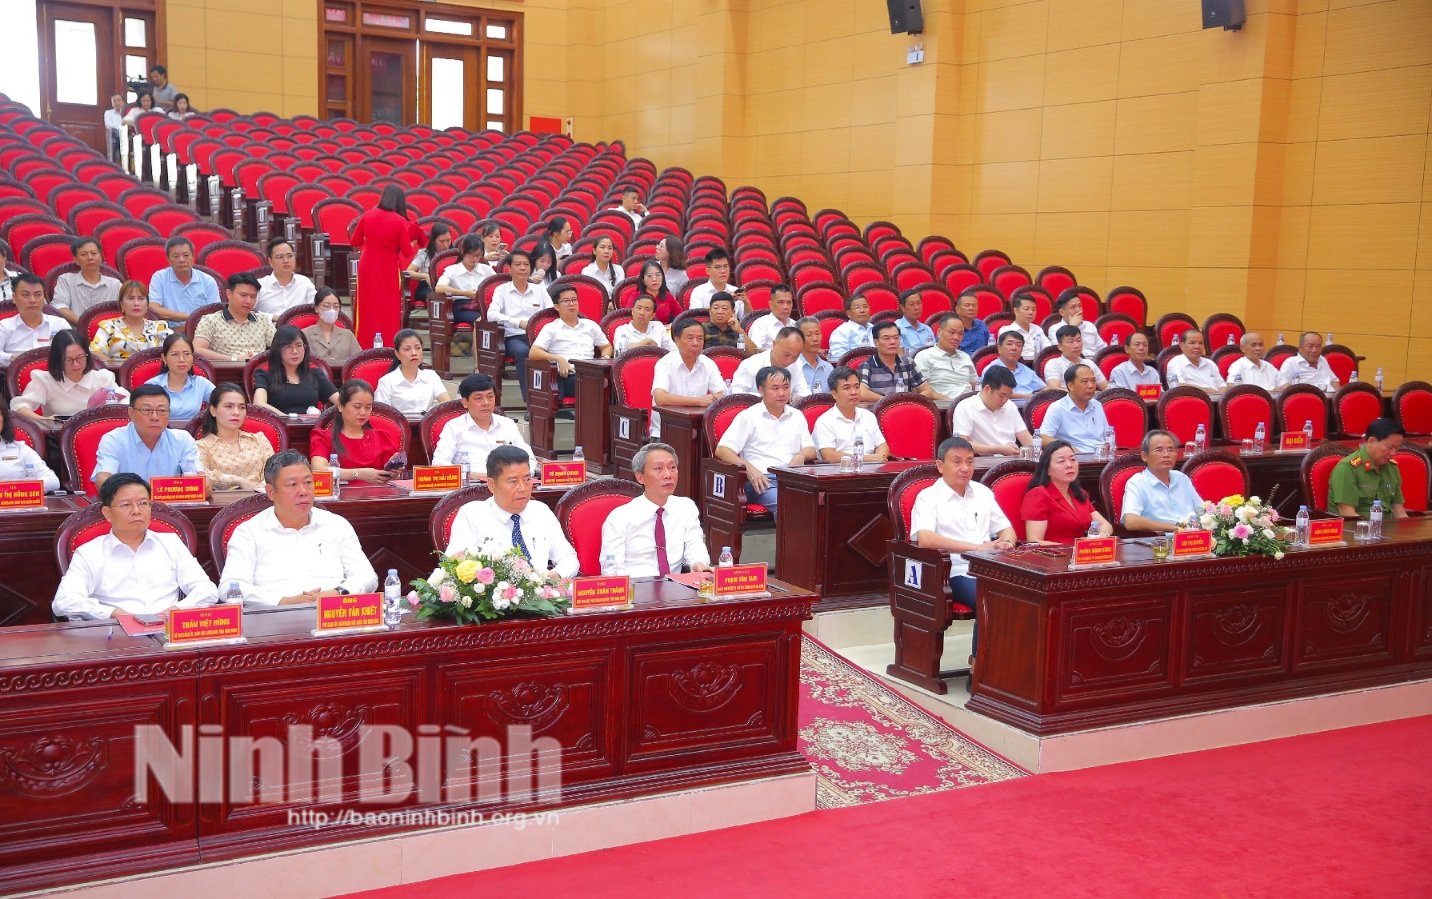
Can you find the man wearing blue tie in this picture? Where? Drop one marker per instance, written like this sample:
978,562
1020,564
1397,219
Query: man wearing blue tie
509,518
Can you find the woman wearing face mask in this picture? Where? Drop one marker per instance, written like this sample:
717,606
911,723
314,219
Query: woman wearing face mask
408,387
606,272
328,342
233,458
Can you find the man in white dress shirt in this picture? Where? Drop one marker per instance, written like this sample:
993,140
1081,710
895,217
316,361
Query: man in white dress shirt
837,427
480,431
783,353
1035,340
948,369
1193,369
782,315
509,518
656,533
768,434
1309,366
1250,368
131,569
1071,352
988,420
1070,307
643,329
686,376
512,305
718,275
1135,372
630,205
958,515
291,552
568,338
285,288
31,327
854,331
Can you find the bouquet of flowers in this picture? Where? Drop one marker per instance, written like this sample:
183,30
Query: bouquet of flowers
1244,527
492,583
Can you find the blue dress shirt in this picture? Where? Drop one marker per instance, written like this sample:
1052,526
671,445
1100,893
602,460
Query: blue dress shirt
1083,430
916,337
976,336
166,290
848,336
188,402
818,375
121,450
1146,495
1025,380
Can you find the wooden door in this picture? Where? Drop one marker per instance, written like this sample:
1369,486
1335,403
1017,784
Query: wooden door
387,69
77,62
449,86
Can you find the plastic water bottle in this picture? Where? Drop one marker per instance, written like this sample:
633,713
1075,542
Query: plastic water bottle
459,459
111,395
990,342
1111,443
857,452
609,563
578,455
30,471
1172,380
392,599
1378,381
1300,526
1093,528
333,467
1231,341
1200,438
726,560
728,386
1374,520
1308,430
233,595
1237,379
1260,438
1174,341
1330,338
1353,378
378,340
1280,338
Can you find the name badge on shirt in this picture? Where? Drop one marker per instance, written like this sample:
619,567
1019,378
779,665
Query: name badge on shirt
179,490
563,474
208,625
589,593
17,496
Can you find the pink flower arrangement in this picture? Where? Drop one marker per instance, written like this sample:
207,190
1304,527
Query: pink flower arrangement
510,593
413,598
446,593
486,576
1242,531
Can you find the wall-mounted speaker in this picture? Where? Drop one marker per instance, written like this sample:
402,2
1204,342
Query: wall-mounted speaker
1226,14
905,16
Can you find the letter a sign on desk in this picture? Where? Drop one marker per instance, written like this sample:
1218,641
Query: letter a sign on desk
913,574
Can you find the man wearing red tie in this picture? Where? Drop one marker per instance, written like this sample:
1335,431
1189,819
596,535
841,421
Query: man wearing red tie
656,533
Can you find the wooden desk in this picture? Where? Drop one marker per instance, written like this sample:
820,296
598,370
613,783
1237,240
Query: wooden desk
674,694
1061,650
682,429
594,399
391,524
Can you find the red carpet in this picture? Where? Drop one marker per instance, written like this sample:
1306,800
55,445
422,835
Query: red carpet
867,743
1344,813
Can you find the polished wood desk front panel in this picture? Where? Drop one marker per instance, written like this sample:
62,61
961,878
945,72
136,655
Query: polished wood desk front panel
593,426
1061,650
673,694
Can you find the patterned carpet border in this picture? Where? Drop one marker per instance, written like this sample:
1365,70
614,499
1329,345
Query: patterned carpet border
868,743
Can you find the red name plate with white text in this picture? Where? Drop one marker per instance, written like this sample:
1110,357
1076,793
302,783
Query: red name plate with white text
1293,440
1325,531
1192,544
436,478
19,495
612,592
176,490
563,474
359,611
209,624
323,485
740,580
1150,391
1095,552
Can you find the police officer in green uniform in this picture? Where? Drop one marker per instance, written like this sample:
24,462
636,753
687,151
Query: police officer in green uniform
1369,474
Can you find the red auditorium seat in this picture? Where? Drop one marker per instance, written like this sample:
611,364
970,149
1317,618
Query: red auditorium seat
1241,409
1129,301
1216,474
1416,471
1112,481
1316,470
1038,405
43,254
583,511
231,257
910,423
1299,403
1009,481
1412,406
1127,415
1219,327
1182,409
147,363
726,512
1172,325
1355,406
79,443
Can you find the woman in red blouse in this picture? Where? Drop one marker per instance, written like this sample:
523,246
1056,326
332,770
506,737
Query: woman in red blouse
653,284
363,450
1057,509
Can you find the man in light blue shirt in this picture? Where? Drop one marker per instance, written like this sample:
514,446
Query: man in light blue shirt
178,290
854,331
1011,347
147,447
915,335
1159,498
1077,419
810,364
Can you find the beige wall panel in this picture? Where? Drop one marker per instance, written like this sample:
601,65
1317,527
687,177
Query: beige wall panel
1011,233
1012,136
1075,185
1153,181
1382,236
1378,36
1157,238
1014,31
1076,240
1161,65
1376,104
1293,224
1079,129
1372,170
1155,18
1338,299
1082,76
1012,84
1084,23
1005,187
1156,124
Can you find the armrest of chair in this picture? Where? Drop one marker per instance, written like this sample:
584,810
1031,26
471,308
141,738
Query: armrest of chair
487,337
629,423
723,483
920,583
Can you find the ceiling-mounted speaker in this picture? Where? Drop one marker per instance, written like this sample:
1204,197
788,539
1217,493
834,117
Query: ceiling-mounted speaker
905,17
1226,14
